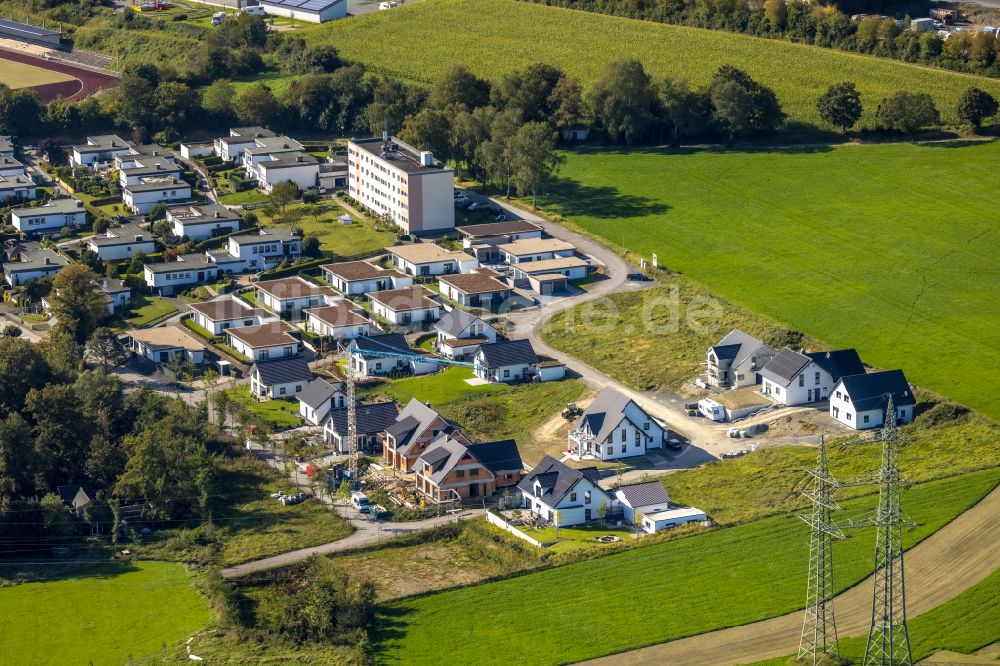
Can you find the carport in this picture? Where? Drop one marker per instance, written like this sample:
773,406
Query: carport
547,284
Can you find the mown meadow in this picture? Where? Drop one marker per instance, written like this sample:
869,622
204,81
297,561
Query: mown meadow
493,37
757,568
891,249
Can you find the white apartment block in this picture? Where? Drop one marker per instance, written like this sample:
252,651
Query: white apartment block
389,176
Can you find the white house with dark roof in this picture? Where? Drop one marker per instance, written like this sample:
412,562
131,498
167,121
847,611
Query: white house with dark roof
230,148
649,503
186,269
860,401
553,486
53,216
282,378
33,264
388,355
482,240
406,306
795,378
479,289
371,421
135,168
290,295
341,321
615,426
16,188
460,334
121,242
510,361
99,150
228,312
318,398
535,249
735,361
265,342
265,248
353,278
142,196
202,221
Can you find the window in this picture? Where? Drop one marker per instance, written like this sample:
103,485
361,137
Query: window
838,394
281,391
623,447
506,373
866,418
802,380
474,471
849,417
611,450
459,473
624,434
586,497
572,497
298,387
836,412
264,354
645,426
777,390
817,377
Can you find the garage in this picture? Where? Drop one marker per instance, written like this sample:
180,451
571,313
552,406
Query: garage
548,284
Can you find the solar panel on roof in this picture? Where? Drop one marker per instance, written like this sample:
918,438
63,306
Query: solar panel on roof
318,5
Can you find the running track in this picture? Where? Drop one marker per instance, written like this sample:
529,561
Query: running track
85,83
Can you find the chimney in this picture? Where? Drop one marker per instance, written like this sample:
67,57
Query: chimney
300,158
79,204
426,158
138,238
218,213
48,261
159,167
385,136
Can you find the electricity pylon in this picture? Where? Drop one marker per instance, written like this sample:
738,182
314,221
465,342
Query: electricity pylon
818,643
888,637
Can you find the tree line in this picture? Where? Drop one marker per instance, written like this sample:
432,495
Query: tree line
819,24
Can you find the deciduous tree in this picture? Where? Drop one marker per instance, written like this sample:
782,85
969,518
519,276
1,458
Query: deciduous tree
907,112
105,348
77,301
840,105
975,105
623,101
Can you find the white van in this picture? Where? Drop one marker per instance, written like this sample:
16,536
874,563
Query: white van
218,18
388,5
256,10
360,502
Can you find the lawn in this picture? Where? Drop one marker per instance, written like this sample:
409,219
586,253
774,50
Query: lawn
758,569
244,197
18,75
886,248
967,623
147,309
278,414
489,411
101,616
578,537
494,37
344,240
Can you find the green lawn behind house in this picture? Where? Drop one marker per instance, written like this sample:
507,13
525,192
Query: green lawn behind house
147,309
320,220
278,414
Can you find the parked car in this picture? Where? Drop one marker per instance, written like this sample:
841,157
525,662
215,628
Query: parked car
501,218
218,18
639,277
360,502
462,199
476,205
674,444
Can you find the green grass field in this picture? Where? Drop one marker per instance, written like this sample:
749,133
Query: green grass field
18,75
887,248
147,309
759,569
276,413
344,240
101,616
496,36
967,623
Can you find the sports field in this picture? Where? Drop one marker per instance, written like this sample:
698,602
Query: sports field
18,75
494,37
648,595
893,249
101,617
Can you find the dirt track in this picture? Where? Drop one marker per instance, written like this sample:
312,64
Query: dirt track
948,562
87,82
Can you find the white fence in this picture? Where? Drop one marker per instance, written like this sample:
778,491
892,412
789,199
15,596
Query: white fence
494,519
